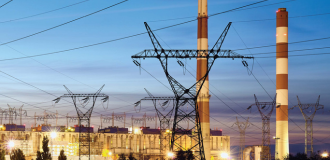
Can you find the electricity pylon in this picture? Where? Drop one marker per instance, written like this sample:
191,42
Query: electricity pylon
164,113
187,95
308,111
242,127
84,118
265,110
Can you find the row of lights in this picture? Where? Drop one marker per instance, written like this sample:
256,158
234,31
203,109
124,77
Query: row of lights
222,155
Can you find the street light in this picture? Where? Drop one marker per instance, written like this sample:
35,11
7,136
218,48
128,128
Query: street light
170,154
53,135
11,144
324,154
224,155
276,149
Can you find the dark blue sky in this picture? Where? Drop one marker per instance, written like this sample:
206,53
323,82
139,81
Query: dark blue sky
87,69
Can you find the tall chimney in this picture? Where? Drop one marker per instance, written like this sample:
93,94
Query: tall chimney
282,83
203,97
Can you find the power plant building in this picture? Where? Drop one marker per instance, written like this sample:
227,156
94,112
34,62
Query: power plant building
109,142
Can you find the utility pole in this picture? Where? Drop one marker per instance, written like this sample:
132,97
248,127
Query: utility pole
308,111
242,127
84,118
265,110
188,95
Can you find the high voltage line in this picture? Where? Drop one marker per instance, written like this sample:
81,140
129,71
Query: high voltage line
38,14
63,23
5,3
95,44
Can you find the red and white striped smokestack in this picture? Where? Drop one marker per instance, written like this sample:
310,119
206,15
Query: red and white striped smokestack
282,82
203,97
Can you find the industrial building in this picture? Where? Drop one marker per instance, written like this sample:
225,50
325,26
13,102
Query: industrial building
108,142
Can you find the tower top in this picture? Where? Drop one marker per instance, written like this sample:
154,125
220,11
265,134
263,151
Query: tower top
282,9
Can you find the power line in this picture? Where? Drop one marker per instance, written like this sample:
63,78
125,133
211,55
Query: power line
62,24
43,12
298,55
5,3
216,13
109,41
272,45
256,20
298,50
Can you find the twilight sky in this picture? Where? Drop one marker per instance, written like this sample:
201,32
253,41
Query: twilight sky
85,70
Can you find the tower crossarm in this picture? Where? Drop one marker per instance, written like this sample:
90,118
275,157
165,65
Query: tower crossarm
308,110
188,53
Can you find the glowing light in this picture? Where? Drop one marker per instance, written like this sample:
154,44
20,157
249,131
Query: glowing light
11,144
325,154
285,34
276,35
110,153
53,135
136,130
170,154
167,131
224,155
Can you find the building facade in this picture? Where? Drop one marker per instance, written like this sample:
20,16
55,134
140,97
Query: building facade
141,145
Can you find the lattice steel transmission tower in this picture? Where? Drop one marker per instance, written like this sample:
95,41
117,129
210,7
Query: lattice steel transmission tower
84,118
164,113
117,117
187,95
242,127
71,119
265,110
308,111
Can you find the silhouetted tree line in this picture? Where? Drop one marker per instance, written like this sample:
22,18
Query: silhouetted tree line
303,156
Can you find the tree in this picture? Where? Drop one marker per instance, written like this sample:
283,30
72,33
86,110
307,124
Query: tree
39,157
45,155
17,154
190,155
131,157
62,155
122,157
2,155
180,155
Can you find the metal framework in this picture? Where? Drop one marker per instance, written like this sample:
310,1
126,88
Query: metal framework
308,111
11,113
114,117
265,110
45,117
164,117
185,95
71,119
242,127
84,118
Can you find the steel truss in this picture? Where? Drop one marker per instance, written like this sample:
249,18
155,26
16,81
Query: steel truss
117,117
308,111
12,114
265,110
84,118
242,127
164,118
185,95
